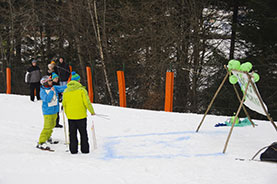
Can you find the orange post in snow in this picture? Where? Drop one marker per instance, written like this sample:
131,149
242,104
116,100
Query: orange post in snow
69,78
168,105
121,88
8,77
89,79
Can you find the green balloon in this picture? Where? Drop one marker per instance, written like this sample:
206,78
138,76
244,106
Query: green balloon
256,77
233,118
246,67
233,65
233,79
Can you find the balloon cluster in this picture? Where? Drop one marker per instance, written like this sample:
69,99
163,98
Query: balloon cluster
244,67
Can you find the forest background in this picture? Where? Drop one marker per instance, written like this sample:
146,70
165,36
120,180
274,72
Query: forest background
192,38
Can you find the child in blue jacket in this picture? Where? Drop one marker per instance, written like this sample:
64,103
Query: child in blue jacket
50,108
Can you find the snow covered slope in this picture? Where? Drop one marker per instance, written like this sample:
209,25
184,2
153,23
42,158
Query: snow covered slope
134,146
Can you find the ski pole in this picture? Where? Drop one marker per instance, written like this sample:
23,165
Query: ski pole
64,127
93,135
63,69
103,116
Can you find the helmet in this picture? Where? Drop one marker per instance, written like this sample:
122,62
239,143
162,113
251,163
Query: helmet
45,79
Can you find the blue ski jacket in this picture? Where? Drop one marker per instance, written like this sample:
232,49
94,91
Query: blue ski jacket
50,99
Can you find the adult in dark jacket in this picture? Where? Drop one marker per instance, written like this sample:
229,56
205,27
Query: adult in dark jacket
63,71
32,77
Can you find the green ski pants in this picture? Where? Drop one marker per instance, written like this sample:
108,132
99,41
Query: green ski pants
49,124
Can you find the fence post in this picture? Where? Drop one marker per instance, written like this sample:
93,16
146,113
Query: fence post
168,105
8,77
121,88
69,78
89,79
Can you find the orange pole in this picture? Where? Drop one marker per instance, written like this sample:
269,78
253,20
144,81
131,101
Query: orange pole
170,91
168,105
69,79
89,79
121,88
8,76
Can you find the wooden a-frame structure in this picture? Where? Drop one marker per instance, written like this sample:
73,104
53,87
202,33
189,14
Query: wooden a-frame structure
240,106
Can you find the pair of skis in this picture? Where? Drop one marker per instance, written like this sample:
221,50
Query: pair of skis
93,129
47,149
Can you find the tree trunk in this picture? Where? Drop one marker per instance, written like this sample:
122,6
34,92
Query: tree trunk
234,29
94,19
11,35
77,43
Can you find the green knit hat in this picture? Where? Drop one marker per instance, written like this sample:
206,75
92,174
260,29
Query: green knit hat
54,75
75,76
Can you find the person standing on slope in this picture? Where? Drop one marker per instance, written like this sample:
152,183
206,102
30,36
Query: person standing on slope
76,103
52,68
32,78
50,108
63,71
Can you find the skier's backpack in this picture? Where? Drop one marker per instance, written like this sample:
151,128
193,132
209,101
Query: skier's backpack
270,153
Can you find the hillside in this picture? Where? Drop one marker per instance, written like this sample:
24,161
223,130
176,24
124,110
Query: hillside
134,146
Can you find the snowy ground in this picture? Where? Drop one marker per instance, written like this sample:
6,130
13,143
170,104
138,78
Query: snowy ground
134,147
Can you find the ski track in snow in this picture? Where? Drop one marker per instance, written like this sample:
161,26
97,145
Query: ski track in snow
147,145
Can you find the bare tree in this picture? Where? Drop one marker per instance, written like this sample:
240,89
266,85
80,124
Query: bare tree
94,19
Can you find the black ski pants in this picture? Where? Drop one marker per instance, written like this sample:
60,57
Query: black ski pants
81,126
58,119
34,86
